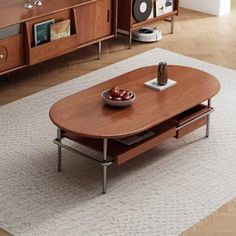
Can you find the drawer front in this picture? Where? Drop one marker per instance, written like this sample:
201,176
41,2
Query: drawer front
144,146
192,119
191,127
11,52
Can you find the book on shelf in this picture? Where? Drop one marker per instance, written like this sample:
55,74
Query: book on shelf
163,7
60,30
42,32
131,140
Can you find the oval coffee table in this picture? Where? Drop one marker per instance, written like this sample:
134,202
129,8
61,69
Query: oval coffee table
154,117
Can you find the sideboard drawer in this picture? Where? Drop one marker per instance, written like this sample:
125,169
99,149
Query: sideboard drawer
192,119
11,52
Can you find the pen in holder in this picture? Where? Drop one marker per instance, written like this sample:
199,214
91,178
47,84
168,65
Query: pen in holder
162,75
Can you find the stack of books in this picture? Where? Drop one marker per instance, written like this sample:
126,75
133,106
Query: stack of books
47,31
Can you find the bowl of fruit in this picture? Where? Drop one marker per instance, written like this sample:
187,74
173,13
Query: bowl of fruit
118,97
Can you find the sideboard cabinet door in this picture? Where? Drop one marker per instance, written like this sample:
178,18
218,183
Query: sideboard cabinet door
93,21
11,52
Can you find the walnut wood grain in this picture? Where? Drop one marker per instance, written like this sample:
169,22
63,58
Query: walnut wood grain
85,114
191,127
124,9
190,114
36,54
11,52
93,21
162,132
13,11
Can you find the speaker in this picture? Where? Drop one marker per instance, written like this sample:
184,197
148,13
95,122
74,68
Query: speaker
142,9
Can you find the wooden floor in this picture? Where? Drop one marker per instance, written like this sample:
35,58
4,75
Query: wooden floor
220,223
4,233
198,35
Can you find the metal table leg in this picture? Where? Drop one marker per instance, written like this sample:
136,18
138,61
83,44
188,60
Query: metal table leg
104,182
59,150
104,162
208,121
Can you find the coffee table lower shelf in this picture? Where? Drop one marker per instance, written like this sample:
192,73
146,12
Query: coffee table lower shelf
115,152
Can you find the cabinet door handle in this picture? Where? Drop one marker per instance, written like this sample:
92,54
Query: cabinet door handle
108,16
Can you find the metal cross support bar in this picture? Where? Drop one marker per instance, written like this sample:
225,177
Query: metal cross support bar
61,145
104,163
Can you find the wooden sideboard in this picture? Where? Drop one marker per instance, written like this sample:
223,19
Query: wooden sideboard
92,21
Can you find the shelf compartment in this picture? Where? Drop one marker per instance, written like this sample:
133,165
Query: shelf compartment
122,153
136,25
11,52
192,119
51,49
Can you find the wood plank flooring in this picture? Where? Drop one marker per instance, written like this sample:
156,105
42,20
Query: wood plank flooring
220,223
4,233
197,35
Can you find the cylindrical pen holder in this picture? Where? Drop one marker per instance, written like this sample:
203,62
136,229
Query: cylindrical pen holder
162,76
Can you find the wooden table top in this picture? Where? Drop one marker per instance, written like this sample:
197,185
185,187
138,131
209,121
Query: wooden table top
84,113
13,11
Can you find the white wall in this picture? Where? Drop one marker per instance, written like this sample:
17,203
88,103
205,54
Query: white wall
214,7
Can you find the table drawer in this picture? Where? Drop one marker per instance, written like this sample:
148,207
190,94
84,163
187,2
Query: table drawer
191,119
11,52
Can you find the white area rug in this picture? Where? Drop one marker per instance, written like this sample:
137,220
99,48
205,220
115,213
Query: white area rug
163,192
